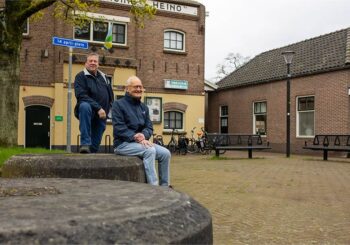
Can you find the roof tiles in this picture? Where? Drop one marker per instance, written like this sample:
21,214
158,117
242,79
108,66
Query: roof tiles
323,53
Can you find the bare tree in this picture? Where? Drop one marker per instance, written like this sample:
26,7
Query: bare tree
232,62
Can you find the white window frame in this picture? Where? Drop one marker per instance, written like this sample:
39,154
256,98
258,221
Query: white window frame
110,22
297,117
183,40
178,129
26,33
255,114
223,116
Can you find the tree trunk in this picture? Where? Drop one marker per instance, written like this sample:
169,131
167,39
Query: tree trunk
9,90
10,44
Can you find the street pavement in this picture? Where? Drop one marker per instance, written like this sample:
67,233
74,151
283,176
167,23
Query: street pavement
269,199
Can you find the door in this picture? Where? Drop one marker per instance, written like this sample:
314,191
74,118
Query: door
37,126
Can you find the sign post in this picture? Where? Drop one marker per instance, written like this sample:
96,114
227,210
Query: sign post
70,44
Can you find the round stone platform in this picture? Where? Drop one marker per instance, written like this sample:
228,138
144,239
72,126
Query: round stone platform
91,211
84,166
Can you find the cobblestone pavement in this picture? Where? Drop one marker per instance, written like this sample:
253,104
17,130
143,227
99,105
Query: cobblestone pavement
270,199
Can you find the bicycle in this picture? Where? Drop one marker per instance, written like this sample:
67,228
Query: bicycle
192,145
199,145
172,145
158,139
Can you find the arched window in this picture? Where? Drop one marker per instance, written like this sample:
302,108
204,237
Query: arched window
174,40
173,119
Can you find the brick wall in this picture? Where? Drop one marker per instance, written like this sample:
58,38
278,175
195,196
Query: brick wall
331,107
144,50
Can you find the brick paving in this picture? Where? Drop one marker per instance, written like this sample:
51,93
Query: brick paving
270,199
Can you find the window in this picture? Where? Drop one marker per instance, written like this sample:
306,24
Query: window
260,118
306,116
25,28
174,40
173,119
224,119
100,30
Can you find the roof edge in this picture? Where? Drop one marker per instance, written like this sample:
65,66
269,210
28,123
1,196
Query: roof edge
347,52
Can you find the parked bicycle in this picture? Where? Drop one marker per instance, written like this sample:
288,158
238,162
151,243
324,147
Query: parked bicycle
158,139
199,145
172,145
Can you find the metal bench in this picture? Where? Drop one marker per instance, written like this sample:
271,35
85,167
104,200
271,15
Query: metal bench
329,142
247,142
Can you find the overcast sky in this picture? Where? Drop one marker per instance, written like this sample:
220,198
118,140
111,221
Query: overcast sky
250,27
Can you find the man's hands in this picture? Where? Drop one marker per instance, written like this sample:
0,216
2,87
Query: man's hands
140,138
102,114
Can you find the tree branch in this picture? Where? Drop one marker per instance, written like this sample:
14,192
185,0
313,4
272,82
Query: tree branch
33,9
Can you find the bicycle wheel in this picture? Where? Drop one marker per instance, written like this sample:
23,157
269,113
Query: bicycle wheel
192,148
172,147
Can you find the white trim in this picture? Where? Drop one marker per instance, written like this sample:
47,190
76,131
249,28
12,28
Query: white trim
297,117
101,42
26,33
183,50
254,118
104,16
163,6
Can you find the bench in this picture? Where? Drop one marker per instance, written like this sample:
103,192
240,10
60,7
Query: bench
329,142
226,142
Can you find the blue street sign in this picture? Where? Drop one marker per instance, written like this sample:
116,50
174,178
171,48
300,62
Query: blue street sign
69,43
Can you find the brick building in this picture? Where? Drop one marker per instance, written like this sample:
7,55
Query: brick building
252,99
167,54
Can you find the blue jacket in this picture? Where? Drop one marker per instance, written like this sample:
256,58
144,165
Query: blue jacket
129,117
87,90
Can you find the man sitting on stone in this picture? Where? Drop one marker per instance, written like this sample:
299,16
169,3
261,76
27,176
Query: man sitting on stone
94,95
132,129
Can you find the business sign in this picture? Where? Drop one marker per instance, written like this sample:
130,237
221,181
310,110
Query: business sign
163,6
69,43
58,118
176,84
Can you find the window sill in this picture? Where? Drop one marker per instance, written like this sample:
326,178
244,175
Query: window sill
174,52
94,44
178,132
305,137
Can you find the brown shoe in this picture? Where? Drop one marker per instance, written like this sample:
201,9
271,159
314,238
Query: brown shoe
84,149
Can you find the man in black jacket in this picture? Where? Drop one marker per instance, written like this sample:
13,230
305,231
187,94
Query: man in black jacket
94,94
132,129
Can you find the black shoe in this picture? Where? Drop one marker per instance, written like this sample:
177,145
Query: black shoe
84,149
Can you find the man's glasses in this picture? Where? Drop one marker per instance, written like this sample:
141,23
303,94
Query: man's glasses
137,87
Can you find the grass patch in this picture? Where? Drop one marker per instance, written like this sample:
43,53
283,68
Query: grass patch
6,153
220,158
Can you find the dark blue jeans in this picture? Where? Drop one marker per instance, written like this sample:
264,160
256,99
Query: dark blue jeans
91,127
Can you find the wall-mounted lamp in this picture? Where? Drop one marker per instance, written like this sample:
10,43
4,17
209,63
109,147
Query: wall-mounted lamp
44,53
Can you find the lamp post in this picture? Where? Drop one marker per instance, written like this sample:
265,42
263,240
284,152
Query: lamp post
288,57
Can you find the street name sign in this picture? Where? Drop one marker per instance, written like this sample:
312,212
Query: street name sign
69,43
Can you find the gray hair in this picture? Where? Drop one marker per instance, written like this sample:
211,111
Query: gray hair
92,54
130,79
